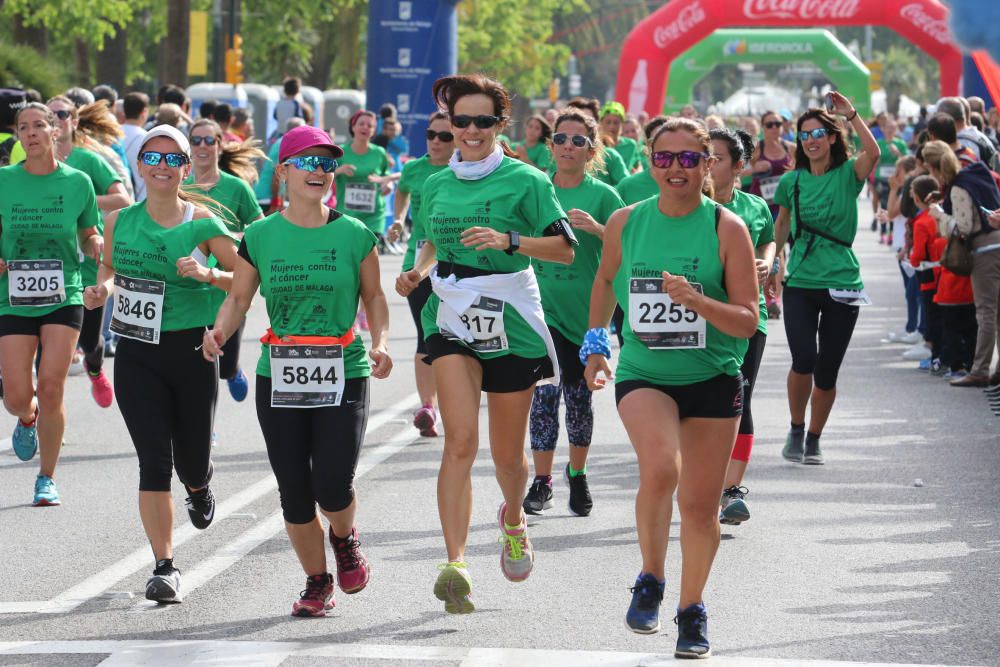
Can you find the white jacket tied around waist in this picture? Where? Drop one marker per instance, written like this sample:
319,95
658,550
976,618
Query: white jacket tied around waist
519,290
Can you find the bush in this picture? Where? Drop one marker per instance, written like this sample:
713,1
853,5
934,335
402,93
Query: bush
24,67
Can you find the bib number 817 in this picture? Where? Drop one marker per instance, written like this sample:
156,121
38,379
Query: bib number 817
657,313
137,308
301,375
479,321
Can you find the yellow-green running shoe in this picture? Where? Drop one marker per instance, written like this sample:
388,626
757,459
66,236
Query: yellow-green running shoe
454,588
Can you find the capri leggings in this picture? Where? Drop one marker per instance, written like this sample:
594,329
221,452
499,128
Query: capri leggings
544,425
92,339
751,365
314,451
229,362
811,314
167,395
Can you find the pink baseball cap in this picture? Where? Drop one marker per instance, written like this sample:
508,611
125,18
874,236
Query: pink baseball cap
303,138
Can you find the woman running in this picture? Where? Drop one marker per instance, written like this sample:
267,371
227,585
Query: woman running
772,157
164,299
732,150
362,179
486,218
822,288
440,146
312,265
565,297
535,148
111,196
612,121
685,268
224,173
49,210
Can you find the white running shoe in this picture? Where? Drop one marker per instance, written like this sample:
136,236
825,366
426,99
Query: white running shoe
918,352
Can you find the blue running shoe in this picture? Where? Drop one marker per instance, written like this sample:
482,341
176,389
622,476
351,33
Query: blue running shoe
25,439
238,386
692,632
644,613
46,492
734,507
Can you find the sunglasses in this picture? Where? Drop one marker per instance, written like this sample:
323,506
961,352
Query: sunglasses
311,162
578,140
686,159
62,114
208,141
483,122
446,136
771,124
153,158
818,133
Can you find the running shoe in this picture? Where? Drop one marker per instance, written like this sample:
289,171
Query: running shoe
424,421
924,365
101,389
812,456
317,598
692,632
734,507
918,352
110,346
76,366
580,502
937,369
46,493
454,588
201,504
238,386
539,497
794,448
774,311
517,558
643,615
353,570
954,375
165,584
25,439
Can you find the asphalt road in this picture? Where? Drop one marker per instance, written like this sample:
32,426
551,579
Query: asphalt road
852,561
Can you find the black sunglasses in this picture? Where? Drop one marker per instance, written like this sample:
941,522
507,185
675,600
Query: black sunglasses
62,114
482,121
209,140
445,136
771,124
578,140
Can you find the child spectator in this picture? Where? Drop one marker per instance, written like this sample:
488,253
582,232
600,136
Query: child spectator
925,257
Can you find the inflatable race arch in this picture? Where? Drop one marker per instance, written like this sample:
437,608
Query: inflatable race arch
653,45
783,46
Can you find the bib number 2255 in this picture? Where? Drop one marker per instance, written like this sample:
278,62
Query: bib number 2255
658,322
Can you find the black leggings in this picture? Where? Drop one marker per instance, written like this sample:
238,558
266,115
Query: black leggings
314,451
92,339
167,395
812,313
751,365
229,362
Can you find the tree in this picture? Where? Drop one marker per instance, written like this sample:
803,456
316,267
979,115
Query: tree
87,20
901,74
174,47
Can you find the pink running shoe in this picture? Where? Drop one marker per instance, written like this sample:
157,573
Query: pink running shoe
353,570
101,389
517,558
424,420
317,598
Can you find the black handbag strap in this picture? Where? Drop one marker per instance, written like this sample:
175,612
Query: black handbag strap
801,226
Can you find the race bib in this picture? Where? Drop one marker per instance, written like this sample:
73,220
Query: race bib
885,172
360,197
36,282
484,320
138,312
850,297
658,322
769,186
306,376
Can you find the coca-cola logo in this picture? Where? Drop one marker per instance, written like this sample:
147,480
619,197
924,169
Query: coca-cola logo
686,19
936,28
800,9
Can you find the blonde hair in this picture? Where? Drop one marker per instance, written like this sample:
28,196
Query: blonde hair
98,123
941,157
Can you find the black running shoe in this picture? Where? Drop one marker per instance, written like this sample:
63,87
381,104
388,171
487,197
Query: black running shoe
165,584
580,502
812,456
692,633
794,448
539,497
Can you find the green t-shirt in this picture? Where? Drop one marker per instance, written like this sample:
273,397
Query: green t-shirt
629,152
415,172
41,217
754,212
614,171
144,249
539,154
262,189
515,197
688,246
637,187
566,288
829,203
887,161
103,177
310,278
238,205
356,195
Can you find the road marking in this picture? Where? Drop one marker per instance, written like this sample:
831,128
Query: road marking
242,545
272,654
95,585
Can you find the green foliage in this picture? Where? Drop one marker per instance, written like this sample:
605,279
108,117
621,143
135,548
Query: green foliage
87,20
902,75
23,67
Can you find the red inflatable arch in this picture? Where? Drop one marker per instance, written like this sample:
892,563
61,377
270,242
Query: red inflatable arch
671,30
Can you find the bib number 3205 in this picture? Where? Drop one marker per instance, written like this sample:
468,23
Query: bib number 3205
138,312
306,376
658,322
36,282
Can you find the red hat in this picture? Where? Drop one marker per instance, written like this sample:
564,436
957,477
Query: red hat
303,138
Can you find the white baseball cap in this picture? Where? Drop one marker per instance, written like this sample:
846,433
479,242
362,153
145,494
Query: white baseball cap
170,132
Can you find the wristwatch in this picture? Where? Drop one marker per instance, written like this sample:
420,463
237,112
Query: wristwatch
515,243
215,276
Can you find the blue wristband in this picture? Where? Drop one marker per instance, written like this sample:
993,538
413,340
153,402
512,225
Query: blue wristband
595,341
